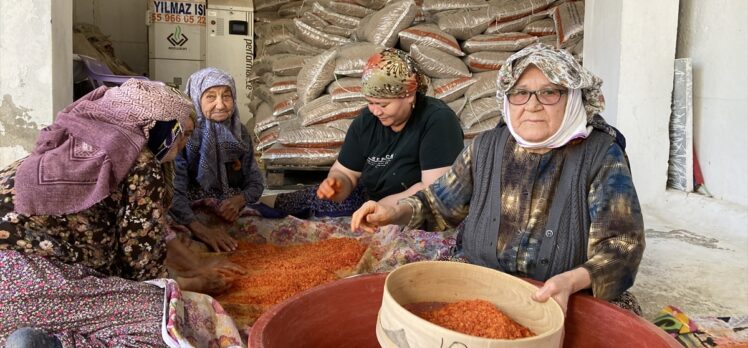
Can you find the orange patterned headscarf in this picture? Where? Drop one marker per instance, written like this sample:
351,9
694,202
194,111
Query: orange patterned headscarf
392,74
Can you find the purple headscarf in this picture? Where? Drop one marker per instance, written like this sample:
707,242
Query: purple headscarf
92,145
213,144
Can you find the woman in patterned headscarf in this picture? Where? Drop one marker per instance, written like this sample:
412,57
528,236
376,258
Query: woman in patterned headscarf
218,161
549,190
82,223
402,142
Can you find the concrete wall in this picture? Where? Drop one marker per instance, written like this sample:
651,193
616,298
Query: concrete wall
124,22
35,70
631,46
714,35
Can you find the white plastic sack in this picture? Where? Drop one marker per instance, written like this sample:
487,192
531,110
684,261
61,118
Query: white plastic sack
569,20
445,5
283,103
451,89
283,84
484,86
383,26
479,110
326,135
486,61
346,89
314,77
334,18
438,64
323,110
464,24
508,10
293,46
429,35
516,24
480,127
279,155
541,27
352,58
508,42
316,37
288,64
349,9
457,105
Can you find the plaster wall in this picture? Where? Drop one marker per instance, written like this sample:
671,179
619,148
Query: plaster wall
35,70
714,35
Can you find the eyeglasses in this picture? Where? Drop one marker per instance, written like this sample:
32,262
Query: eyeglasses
546,96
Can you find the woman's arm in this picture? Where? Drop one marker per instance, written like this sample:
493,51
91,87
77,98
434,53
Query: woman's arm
427,178
181,207
254,184
616,240
339,183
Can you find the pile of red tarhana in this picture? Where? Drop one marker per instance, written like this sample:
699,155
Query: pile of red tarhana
476,318
277,273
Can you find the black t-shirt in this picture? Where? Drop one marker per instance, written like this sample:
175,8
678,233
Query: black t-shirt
390,162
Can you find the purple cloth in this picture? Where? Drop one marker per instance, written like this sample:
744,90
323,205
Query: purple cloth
89,149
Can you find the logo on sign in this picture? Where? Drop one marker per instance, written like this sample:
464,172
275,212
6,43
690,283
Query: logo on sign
177,39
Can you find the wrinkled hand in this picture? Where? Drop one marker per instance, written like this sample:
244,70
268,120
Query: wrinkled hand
331,189
371,216
231,208
559,287
212,280
216,238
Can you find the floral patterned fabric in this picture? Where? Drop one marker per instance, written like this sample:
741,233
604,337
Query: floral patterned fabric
392,74
122,235
83,308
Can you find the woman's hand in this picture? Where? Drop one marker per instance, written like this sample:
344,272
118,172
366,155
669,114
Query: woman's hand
231,208
213,279
372,215
563,285
331,189
216,238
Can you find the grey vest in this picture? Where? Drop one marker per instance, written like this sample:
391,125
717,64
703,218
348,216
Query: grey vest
564,245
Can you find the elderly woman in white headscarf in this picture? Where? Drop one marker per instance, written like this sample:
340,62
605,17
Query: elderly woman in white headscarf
218,161
548,191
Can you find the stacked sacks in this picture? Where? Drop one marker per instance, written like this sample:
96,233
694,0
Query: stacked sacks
311,55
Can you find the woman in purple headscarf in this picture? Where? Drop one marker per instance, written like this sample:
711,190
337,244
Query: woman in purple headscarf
218,161
82,224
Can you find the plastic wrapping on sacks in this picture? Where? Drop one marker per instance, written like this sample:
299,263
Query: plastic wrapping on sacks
445,5
298,156
267,30
323,109
317,37
508,42
438,64
451,89
464,24
577,50
517,24
457,105
334,18
283,103
382,27
484,86
317,22
262,65
267,16
429,35
293,9
267,139
264,118
268,5
372,4
479,110
288,64
481,127
262,91
509,10
551,40
277,37
486,61
346,89
541,27
314,77
352,58
350,9
326,135
569,21
283,84
292,46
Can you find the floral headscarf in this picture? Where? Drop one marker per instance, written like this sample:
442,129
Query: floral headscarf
213,144
559,67
392,74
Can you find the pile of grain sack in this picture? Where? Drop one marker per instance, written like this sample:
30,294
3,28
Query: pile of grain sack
311,54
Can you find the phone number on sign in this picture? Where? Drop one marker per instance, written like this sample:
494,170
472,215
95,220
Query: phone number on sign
176,18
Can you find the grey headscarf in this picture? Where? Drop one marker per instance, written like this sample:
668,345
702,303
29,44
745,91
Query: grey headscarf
213,144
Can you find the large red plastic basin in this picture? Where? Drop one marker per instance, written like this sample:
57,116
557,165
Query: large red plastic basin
344,314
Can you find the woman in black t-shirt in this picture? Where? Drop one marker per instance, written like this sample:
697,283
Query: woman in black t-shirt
401,143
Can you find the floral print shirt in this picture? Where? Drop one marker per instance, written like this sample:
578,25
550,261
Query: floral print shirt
122,235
